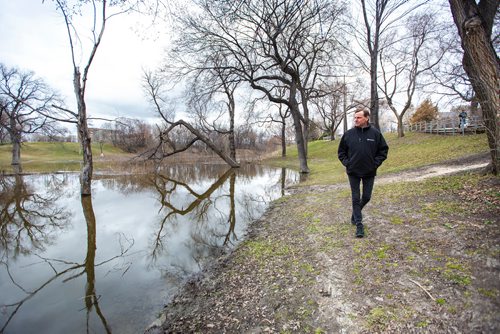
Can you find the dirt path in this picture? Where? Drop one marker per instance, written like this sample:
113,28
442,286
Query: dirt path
430,263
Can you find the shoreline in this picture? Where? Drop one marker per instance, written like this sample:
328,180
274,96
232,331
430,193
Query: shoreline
295,270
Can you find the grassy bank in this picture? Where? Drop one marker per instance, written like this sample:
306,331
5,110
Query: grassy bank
427,264
50,157
413,150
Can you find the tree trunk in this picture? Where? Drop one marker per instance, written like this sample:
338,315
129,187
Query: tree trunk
481,64
232,142
344,92
401,130
299,136
283,139
306,124
16,153
85,140
15,138
374,109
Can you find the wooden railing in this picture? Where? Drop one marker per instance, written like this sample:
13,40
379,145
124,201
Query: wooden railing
448,126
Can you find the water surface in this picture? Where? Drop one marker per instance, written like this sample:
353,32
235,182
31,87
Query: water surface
109,262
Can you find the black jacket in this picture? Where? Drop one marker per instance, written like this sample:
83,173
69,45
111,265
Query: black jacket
362,151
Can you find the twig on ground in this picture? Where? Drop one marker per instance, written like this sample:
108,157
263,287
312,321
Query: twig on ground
421,287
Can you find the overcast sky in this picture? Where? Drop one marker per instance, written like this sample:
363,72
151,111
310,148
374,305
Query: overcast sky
33,38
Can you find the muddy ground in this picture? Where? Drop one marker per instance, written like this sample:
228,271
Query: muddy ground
430,262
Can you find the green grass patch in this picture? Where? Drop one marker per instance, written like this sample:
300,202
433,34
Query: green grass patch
397,220
440,301
456,272
263,249
413,150
54,156
438,209
379,317
490,293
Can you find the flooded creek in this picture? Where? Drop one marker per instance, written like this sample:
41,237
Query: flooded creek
109,262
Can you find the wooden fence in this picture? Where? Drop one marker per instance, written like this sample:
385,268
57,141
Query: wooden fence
449,126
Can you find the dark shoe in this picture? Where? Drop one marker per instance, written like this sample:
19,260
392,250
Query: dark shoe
360,231
352,220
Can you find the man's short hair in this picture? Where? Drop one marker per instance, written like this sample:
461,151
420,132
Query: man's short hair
366,111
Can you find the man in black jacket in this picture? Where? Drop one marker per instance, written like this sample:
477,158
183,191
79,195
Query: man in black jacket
362,150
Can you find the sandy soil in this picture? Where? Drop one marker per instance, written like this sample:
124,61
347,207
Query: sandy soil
430,263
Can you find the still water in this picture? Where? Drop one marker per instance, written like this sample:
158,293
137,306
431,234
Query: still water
109,262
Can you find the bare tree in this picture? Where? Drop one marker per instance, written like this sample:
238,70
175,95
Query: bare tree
475,23
272,114
154,86
268,44
281,117
99,18
131,135
450,73
380,19
331,108
24,99
207,86
100,13
405,62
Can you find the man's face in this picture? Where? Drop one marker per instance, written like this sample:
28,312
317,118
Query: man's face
360,120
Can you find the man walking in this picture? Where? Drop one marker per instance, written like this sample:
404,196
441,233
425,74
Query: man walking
362,150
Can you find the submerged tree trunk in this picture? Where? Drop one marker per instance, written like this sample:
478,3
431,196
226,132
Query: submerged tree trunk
85,140
481,63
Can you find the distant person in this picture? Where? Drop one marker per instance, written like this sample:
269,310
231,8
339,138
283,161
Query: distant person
362,150
463,119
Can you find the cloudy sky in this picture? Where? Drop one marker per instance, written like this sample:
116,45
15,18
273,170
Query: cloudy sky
33,38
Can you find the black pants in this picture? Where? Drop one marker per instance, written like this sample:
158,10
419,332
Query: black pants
360,200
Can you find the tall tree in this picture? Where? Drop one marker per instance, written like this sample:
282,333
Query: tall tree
406,61
268,44
99,17
380,18
83,52
24,100
475,22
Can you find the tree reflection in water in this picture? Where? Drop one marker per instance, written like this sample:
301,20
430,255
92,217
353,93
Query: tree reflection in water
28,220
212,211
91,299
188,218
199,206
24,212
